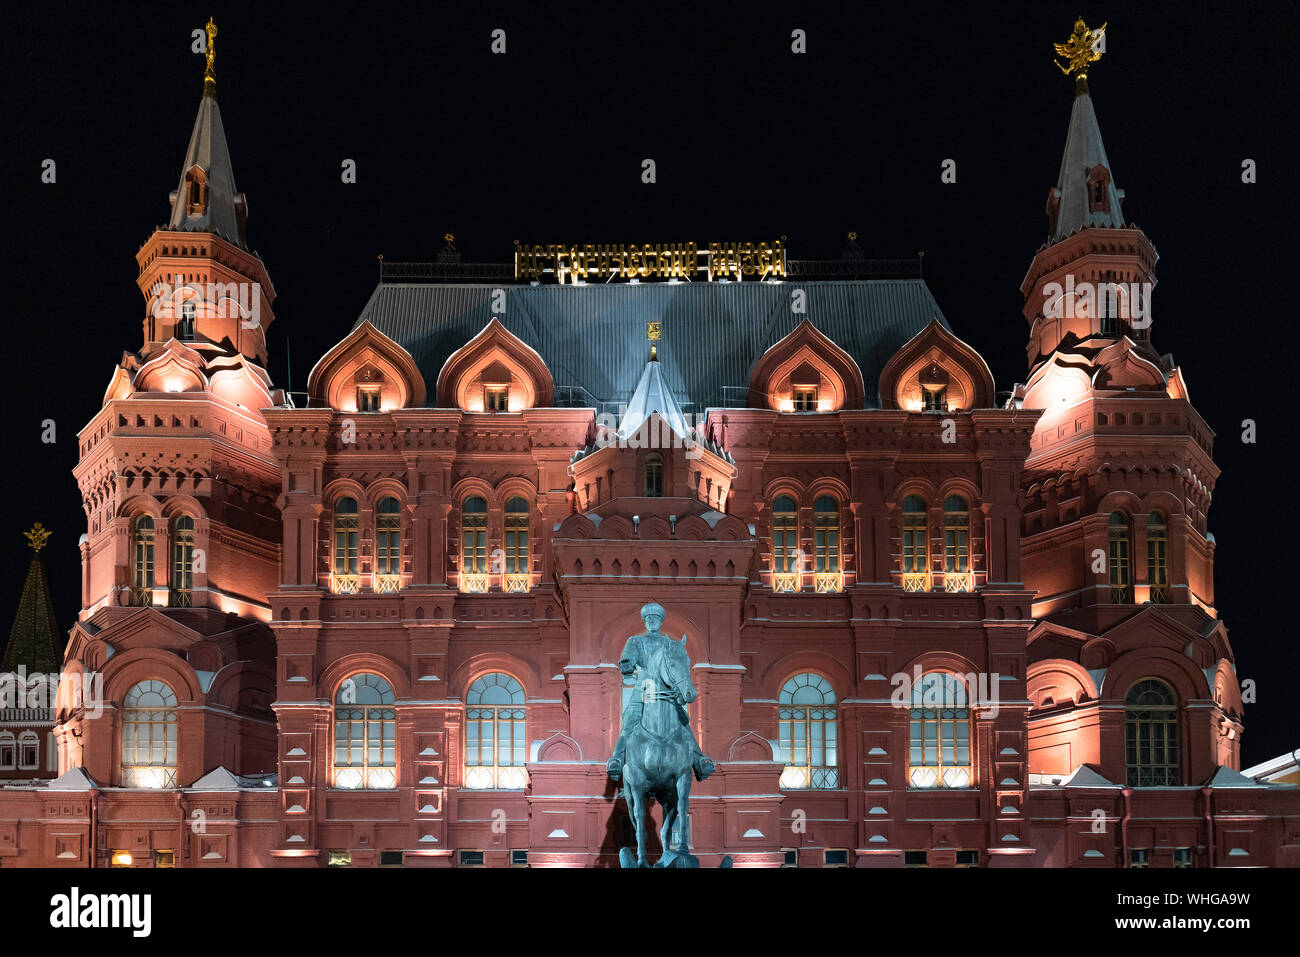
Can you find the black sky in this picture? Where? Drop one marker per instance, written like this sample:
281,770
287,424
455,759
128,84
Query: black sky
751,142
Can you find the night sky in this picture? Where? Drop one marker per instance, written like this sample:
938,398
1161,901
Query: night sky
751,142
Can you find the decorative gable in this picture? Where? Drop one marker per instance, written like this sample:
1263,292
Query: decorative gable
495,372
806,372
367,372
935,370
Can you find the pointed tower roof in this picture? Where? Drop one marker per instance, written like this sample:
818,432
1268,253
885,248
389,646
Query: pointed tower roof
1084,152
220,208
33,641
652,395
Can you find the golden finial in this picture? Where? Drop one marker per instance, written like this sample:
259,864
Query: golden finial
37,536
853,237
653,330
449,237
1081,50
210,77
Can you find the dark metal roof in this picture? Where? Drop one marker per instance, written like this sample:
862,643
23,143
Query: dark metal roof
593,337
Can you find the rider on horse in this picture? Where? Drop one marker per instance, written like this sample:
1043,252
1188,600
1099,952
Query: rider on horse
632,662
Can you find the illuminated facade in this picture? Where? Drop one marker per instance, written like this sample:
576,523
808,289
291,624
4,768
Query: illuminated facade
379,626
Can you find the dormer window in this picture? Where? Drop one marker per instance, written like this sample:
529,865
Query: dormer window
805,398
496,398
1099,190
654,476
368,398
185,328
935,400
196,193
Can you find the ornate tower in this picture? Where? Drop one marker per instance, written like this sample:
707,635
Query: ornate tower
1117,486
176,471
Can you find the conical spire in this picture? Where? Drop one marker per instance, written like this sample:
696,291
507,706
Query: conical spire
1084,170
206,199
652,395
33,642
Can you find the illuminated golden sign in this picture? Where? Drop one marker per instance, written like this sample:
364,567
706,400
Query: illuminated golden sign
688,261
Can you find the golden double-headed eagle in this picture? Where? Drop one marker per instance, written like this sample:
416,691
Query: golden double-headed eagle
1083,49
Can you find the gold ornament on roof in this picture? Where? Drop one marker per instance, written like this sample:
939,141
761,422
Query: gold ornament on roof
1081,50
37,536
209,76
653,330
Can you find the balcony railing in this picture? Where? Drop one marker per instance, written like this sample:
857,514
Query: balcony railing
180,598
1159,594
474,582
388,584
345,584
955,582
785,581
916,581
929,777
142,597
148,776
1121,594
365,779
827,582
516,584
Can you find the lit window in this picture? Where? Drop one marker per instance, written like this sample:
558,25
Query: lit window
654,475
517,567
785,545
1158,558
339,859
149,736
1121,580
1151,735
142,564
956,545
186,327
388,545
496,398
935,400
473,545
120,859
806,715
344,580
495,746
826,541
181,594
365,734
805,398
940,754
368,398
164,858
916,545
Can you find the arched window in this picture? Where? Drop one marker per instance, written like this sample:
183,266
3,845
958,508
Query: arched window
517,567
142,561
785,545
8,751
473,545
939,733
1151,735
388,546
347,523
181,593
1121,570
827,543
29,750
185,329
806,717
495,745
149,736
365,734
956,545
654,475
1158,558
916,545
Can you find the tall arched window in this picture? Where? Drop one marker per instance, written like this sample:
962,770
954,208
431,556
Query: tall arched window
8,751
827,543
29,751
347,523
939,731
654,475
185,329
473,545
956,545
181,592
365,734
785,545
142,561
495,746
517,577
388,545
1151,735
806,727
916,545
1158,558
1121,566
149,736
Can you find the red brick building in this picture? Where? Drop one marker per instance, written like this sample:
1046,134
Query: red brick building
380,626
